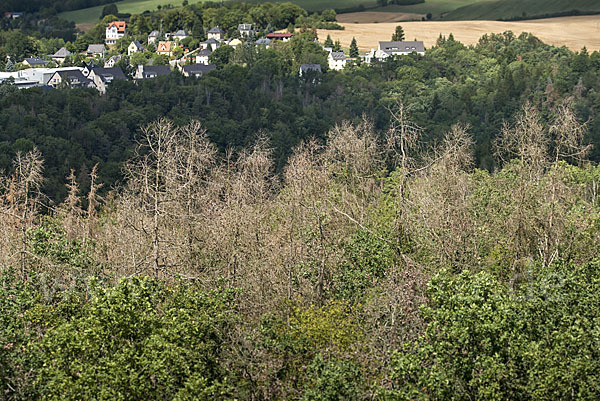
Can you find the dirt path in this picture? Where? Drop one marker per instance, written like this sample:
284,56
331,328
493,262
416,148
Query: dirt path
573,32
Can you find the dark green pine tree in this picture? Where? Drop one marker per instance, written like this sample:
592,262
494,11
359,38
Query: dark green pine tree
399,34
353,48
337,46
328,42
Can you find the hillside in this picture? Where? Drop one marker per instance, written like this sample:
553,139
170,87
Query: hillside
516,9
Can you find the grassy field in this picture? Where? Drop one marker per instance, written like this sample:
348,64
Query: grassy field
436,7
92,14
573,32
506,9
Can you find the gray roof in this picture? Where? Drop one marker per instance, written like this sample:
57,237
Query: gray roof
402,47
35,61
205,52
338,55
244,27
95,49
180,32
211,40
156,70
70,75
154,34
216,29
310,67
198,68
108,74
62,52
138,45
263,41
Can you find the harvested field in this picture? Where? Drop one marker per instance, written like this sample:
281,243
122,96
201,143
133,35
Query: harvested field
573,32
367,17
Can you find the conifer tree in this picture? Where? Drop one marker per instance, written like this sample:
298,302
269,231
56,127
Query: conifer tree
328,42
353,48
399,34
337,46
10,67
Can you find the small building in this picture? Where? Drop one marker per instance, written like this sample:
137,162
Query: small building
337,60
197,70
13,14
135,47
115,31
165,47
95,50
69,78
35,62
282,36
179,35
245,30
102,77
153,37
87,68
216,33
151,71
61,55
202,56
263,42
234,43
308,68
111,62
212,44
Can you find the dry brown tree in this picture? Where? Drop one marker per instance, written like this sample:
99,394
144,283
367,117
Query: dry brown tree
19,206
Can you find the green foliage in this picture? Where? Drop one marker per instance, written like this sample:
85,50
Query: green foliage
354,48
398,34
221,56
331,380
139,340
366,260
484,341
110,9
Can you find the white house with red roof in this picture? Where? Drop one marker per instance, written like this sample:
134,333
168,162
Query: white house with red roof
115,31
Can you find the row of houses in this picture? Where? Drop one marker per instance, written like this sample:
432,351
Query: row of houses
92,76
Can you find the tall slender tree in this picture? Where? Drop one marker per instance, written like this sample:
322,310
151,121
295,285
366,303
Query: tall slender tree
353,48
398,34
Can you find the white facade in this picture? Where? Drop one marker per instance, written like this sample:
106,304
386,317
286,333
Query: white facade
115,31
337,60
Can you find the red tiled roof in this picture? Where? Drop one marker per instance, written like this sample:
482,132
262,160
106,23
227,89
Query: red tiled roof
121,25
279,35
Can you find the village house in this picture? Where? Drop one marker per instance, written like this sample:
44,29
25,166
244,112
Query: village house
102,77
135,47
13,15
395,48
179,35
165,47
153,37
95,50
69,78
111,62
245,30
35,62
216,33
282,36
337,60
197,70
151,71
234,43
202,56
263,42
87,68
211,44
115,31
61,55
307,68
